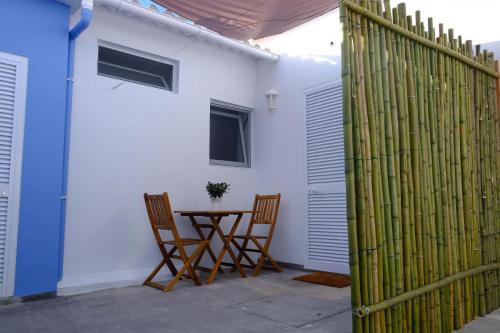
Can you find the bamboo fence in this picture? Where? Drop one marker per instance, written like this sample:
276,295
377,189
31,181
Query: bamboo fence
422,154
497,68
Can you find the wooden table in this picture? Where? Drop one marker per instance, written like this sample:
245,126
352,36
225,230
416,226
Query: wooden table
215,218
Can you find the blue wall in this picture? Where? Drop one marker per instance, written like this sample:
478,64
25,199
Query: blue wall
38,30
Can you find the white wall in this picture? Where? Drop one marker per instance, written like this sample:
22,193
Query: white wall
136,139
310,58
280,142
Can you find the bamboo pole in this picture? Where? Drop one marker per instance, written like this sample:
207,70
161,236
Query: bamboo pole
369,117
445,263
497,68
406,244
360,167
350,168
381,94
367,310
390,185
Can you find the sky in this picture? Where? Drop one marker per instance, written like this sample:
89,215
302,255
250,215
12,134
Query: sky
145,2
473,19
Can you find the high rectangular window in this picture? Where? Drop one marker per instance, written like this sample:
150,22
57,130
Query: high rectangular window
229,135
136,68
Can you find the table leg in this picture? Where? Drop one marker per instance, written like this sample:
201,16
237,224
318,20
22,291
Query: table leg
227,247
208,248
215,222
228,242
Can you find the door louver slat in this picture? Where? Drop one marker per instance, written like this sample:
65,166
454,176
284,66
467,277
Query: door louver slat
327,218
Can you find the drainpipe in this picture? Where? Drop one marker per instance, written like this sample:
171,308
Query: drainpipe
85,19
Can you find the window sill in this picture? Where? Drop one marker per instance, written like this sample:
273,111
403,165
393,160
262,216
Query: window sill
230,164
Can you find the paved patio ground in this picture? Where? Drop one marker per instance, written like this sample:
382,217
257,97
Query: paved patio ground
487,324
271,302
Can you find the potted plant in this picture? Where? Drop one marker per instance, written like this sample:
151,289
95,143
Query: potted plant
216,191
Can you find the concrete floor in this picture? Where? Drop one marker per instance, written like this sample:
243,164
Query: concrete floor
271,302
487,324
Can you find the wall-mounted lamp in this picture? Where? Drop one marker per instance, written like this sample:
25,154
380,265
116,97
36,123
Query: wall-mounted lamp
272,96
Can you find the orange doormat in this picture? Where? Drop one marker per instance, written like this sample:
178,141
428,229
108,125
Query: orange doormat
327,279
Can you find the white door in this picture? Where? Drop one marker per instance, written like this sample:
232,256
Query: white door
327,248
13,78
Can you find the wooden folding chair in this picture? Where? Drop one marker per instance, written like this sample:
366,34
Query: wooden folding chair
265,211
161,218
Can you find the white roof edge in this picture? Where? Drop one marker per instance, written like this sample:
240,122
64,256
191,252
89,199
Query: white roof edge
131,9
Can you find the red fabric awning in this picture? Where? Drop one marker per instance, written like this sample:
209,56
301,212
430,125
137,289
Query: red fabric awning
249,19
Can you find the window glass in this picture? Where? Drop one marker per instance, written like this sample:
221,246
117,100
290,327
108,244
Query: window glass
129,67
225,138
229,136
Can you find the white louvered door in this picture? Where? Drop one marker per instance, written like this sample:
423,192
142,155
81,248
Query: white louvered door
13,77
327,248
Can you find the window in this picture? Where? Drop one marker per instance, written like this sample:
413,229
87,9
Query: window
229,134
159,73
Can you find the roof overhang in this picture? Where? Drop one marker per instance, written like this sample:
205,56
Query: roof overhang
189,29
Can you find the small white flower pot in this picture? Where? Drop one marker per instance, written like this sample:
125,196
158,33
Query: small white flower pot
216,203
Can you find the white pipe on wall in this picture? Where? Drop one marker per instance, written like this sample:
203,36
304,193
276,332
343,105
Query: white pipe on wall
190,30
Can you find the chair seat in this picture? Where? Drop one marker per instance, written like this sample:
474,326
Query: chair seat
249,236
185,241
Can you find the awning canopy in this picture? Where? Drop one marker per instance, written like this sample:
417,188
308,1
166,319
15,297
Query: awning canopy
249,19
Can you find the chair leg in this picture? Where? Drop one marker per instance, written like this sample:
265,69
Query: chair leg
265,254
258,267
169,262
154,272
242,253
200,250
166,261
187,266
194,275
274,264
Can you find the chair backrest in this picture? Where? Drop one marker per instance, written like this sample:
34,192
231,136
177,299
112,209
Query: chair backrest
266,209
159,211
